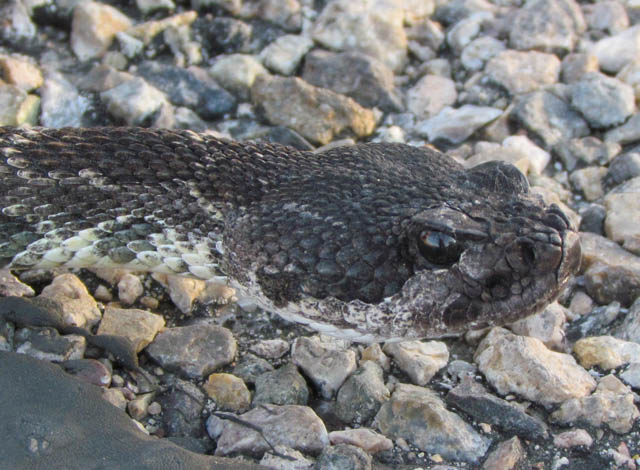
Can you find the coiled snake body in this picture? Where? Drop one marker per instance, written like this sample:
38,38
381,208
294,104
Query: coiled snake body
370,241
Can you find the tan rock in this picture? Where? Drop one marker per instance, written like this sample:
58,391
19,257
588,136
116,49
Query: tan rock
419,360
228,391
93,28
139,326
20,73
79,308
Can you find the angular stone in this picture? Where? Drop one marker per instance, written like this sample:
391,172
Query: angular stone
419,360
621,224
611,404
573,438
547,326
21,73
362,394
523,365
316,113
419,416
93,27
283,386
139,326
603,101
79,308
293,426
134,101
129,288
574,66
364,438
605,352
149,29
344,456
614,52
326,364
430,94
589,182
523,72
237,73
47,345
508,455
285,53
455,125
194,351
476,54
228,391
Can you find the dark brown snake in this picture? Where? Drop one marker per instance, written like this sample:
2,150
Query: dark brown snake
371,241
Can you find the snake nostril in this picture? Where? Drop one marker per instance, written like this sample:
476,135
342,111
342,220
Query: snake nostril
528,253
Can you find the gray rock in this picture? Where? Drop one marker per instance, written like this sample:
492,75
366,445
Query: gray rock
623,168
62,105
271,348
523,365
237,73
547,326
285,53
456,10
372,28
343,457
523,72
547,25
631,375
194,351
593,322
629,329
286,14
185,88
614,52
17,25
250,367
362,394
456,125
609,16
548,118
419,416
183,405
576,65
134,102
476,54
589,181
602,100
630,74
326,364
610,272
593,219
627,133
623,205
354,74
89,370
465,30
293,426
472,398
430,95
419,360
364,438
149,6
283,386
287,459
48,426
316,113
587,151
48,345
611,404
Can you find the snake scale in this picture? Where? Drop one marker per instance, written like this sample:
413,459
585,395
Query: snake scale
369,242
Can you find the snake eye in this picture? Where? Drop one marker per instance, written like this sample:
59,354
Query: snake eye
439,248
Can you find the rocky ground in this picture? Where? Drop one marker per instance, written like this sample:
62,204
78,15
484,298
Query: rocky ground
549,85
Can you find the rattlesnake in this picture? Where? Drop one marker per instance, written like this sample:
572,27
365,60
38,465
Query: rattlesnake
371,241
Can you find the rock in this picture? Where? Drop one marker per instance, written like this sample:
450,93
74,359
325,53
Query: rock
343,456
194,351
365,438
537,158
374,353
614,52
508,455
630,74
547,25
283,386
419,416
183,405
523,365
610,272
285,53
93,28
150,6
622,168
237,73
475,55
602,100
362,394
61,104
589,182
622,205
89,370
271,348
455,125
548,118
611,404
631,375
287,459
293,426
46,344
629,329
607,16
137,408
589,151
17,107
79,308
287,14
576,65
356,75
522,72
573,438
456,10
316,113
134,102
20,72
150,29
110,436
472,398
374,29
605,352
250,367
432,93
420,361
222,35
627,133
183,291
228,391
16,25
547,326
326,364
12,286
129,289
188,88
139,326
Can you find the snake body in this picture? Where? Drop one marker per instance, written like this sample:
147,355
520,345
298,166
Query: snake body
371,241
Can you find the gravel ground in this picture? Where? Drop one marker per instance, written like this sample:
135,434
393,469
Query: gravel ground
548,85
